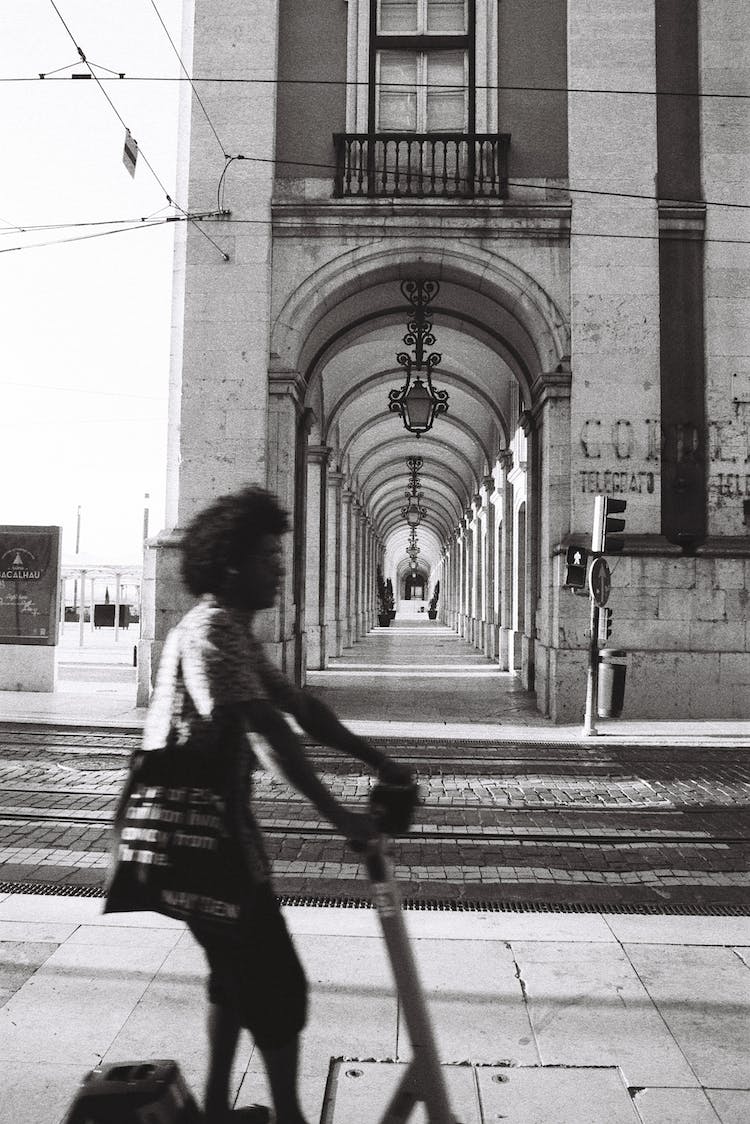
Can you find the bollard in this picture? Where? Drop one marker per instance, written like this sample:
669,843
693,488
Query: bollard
612,669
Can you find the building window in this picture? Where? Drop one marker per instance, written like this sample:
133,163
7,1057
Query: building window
422,66
422,101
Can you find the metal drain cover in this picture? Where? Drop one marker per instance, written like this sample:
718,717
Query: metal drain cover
360,1091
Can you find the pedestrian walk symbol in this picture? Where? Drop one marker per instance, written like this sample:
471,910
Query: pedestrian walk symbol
576,558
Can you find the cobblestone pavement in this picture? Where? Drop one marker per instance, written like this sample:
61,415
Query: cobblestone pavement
567,825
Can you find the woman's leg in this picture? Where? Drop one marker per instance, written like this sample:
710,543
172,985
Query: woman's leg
223,1035
281,1066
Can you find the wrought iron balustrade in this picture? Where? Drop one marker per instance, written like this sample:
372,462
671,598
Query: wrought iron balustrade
422,165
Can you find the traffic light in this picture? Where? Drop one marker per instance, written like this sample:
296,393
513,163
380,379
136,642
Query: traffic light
576,558
606,536
605,624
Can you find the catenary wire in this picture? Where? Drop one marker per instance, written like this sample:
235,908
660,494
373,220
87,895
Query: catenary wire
112,105
351,83
148,164
423,229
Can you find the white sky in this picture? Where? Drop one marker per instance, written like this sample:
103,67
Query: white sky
85,326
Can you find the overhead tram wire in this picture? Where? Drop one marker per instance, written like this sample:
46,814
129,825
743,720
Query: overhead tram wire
145,159
89,237
493,87
424,229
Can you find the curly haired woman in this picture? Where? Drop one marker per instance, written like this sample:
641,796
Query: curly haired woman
216,683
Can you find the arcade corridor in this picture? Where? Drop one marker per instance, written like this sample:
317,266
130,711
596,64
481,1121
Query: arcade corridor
421,673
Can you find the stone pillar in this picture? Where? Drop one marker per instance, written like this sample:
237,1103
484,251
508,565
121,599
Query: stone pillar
221,304
477,565
356,586
369,577
364,552
444,605
317,558
333,566
490,647
518,513
282,628
614,268
556,609
347,570
460,569
506,564
456,579
468,575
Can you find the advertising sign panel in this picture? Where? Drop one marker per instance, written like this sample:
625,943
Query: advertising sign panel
29,585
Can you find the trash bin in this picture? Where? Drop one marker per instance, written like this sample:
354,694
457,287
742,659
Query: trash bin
612,668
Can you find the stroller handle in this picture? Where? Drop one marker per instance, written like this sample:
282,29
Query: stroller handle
392,806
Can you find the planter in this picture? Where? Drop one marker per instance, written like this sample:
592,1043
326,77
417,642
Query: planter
384,619
392,614
432,614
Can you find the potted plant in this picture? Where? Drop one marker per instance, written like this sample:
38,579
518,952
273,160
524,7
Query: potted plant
390,602
384,616
432,611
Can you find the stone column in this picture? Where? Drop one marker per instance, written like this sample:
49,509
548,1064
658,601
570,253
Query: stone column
282,628
518,513
490,648
506,563
333,566
614,268
445,587
558,615
458,579
364,552
356,584
347,571
477,560
317,559
369,572
455,578
467,550
221,303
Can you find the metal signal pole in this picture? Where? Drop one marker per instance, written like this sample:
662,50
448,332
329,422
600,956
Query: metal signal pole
592,679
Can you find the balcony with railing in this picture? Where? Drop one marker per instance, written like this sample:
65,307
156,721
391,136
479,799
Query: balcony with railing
422,165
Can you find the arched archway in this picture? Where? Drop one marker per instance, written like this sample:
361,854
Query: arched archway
502,342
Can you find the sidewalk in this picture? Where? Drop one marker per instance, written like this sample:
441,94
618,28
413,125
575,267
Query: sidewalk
546,999
541,1017
375,687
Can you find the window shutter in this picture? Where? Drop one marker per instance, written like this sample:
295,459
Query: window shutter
398,17
446,92
446,17
397,91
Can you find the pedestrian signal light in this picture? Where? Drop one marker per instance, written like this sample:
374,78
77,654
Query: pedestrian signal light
607,528
605,624
576,559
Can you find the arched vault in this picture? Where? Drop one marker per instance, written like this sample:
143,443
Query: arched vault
497,332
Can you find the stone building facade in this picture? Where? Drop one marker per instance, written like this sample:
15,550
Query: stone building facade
574,176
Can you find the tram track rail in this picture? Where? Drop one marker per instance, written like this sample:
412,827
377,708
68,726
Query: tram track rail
486,836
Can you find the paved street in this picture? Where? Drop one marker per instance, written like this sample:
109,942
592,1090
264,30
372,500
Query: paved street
527,820
567,994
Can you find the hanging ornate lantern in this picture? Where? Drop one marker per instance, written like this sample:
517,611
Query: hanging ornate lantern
417,401
414,512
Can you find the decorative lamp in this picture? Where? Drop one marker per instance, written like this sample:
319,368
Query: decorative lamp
417,401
